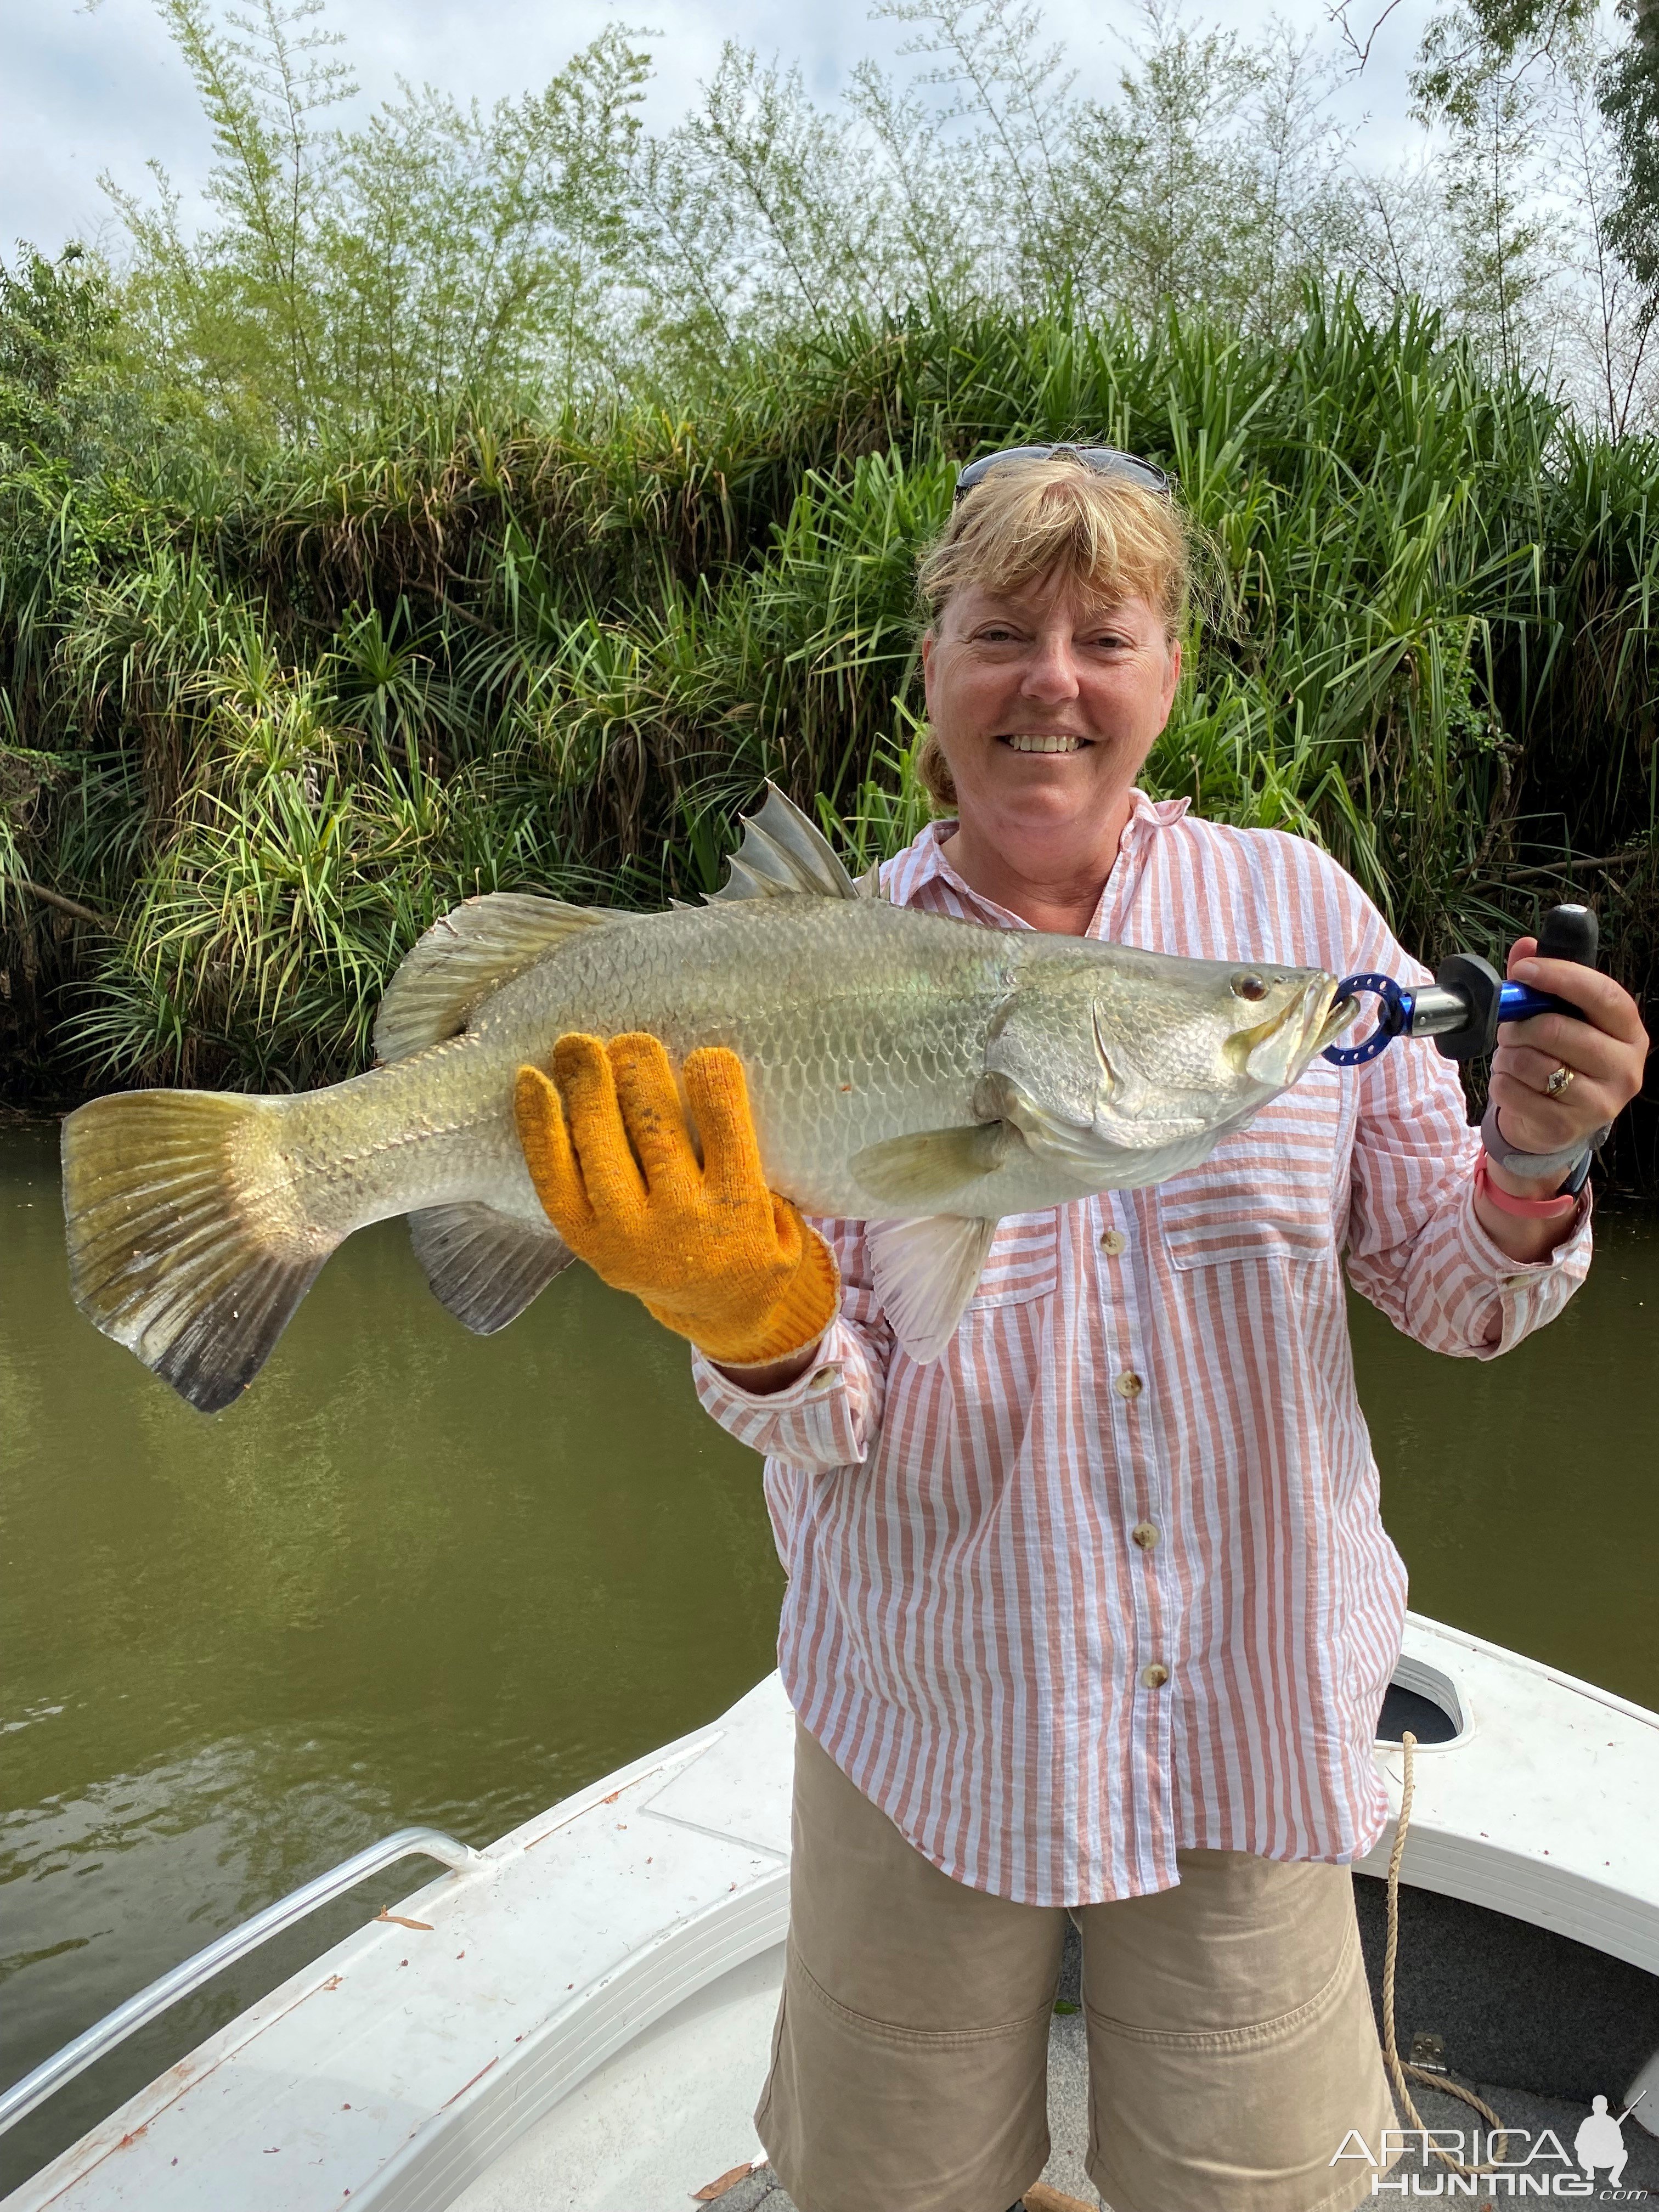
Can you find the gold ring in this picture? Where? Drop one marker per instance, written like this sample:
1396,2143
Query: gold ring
1559,1078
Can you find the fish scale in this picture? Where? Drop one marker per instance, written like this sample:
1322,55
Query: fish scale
925,1074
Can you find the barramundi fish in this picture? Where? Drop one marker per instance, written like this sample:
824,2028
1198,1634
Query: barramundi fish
927,1075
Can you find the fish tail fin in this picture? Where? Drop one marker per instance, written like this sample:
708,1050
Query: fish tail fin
186,1241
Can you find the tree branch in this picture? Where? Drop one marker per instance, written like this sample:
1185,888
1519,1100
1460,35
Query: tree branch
68,906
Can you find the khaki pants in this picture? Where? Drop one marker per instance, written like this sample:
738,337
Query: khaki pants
1231,2043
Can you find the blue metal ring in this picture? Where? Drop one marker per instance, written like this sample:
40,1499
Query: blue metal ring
1396,1012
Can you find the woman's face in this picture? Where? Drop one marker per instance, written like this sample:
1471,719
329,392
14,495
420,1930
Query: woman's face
1045,703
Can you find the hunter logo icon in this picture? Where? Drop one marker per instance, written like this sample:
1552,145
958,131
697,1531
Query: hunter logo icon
1600,2141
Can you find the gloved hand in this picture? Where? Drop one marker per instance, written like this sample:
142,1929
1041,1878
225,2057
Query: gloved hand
714,1255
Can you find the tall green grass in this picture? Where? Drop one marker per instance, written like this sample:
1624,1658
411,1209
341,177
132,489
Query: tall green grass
269,720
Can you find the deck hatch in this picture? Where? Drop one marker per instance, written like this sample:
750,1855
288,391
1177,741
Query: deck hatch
1425,1701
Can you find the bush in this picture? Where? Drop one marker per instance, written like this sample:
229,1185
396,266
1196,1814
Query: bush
267,717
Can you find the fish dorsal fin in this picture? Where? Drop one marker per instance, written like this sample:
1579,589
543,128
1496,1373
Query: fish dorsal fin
925,1271
473,951
783,856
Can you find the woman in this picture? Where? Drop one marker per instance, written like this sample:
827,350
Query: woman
1096,1611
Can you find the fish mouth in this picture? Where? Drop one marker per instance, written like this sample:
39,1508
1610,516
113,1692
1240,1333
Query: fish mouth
1342,1015
1277,1050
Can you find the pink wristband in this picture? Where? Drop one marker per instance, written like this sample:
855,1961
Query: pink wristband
1525,1209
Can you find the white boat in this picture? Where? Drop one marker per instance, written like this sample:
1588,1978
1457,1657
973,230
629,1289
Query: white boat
580,2016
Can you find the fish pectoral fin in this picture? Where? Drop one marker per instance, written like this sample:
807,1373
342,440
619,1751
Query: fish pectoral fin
1093,1160
1072,1145
783,855
925,1271
934,1164
473,951
484,1266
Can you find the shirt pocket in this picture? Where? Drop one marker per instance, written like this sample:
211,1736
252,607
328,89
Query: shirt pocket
1268,1192
1023,1262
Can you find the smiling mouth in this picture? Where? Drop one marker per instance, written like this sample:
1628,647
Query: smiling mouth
1032,741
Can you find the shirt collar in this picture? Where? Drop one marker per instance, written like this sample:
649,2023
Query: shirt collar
927,857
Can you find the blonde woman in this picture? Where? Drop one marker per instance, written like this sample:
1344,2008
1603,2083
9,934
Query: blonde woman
1094,1613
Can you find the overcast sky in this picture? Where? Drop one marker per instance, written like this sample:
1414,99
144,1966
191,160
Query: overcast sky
83,90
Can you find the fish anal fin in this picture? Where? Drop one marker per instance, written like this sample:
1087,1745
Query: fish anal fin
933,1165
462,958
783,855
925,1272
484,1266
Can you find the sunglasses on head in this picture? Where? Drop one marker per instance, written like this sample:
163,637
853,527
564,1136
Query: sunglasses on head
1104,461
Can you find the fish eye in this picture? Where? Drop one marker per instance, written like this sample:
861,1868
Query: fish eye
1247,984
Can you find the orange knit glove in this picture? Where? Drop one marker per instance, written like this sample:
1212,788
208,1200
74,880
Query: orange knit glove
714,1255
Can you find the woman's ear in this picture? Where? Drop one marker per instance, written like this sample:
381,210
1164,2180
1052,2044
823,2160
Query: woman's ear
1174,677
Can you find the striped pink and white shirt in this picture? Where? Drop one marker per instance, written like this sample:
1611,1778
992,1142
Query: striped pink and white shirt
1109,1579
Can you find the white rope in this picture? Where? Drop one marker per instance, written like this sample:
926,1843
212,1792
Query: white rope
1398,2069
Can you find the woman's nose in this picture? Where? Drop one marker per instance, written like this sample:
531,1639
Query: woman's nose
1051,672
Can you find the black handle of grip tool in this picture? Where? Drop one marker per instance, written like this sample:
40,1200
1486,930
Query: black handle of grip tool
1570,933
1567,933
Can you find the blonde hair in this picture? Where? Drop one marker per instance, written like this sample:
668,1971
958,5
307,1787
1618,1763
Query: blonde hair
1032,519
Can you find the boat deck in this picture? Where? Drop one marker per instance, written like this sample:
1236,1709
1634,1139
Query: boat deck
579,2023
677,2078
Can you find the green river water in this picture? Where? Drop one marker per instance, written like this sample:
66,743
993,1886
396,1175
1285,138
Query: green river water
419,1577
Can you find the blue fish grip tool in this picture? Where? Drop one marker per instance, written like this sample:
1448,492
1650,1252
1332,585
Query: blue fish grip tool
1463,1008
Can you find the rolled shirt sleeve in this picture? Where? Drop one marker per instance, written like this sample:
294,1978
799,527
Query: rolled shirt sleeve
829,1417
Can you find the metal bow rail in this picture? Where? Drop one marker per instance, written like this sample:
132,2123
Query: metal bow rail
183,1980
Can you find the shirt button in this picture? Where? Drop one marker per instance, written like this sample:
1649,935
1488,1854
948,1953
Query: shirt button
824,1378
1516,1282
1155,1676
1128,1384
1146,1534
1112,1241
